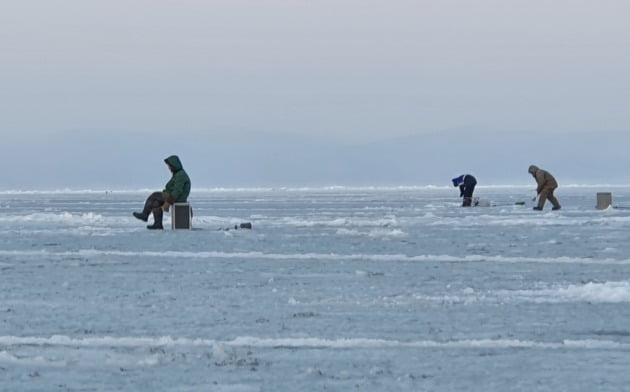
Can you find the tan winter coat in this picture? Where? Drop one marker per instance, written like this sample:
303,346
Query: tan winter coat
543,178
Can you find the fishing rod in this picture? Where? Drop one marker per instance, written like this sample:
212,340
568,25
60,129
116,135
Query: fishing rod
517,203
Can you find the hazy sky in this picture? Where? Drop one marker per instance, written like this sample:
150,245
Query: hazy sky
330,70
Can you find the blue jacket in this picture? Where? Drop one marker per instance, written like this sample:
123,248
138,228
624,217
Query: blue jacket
464,181
458,180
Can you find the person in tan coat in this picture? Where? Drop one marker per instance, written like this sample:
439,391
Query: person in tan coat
546,185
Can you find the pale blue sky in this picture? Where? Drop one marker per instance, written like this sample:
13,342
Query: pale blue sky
339,71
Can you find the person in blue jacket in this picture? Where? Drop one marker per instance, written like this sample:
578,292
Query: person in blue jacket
466,184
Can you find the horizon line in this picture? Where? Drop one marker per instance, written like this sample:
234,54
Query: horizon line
323,188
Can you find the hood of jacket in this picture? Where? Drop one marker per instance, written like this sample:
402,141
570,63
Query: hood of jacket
532,169
174,162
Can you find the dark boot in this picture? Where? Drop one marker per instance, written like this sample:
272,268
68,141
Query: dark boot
467,202
537,208
141,216
157,219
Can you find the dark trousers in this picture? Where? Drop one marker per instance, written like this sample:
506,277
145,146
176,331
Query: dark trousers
547,193
468,188
154,205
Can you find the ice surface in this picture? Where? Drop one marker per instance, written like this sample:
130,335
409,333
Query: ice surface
371,289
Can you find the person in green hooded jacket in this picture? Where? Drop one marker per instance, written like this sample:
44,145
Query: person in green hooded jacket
176,190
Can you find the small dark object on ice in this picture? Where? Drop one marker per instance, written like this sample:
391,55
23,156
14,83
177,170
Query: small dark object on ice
245,225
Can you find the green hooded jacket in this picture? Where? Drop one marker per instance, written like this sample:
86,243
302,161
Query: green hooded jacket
178,186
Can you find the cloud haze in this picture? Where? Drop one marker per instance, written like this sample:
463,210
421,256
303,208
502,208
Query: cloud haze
324,74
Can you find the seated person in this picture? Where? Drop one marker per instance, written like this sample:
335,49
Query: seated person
175,191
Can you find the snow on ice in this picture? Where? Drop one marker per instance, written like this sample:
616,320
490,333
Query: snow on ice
371,289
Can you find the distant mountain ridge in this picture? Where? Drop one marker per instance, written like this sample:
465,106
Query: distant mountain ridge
132,160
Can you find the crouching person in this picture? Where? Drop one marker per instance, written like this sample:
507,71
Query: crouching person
176,190
546,185
466,184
